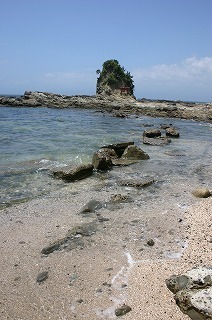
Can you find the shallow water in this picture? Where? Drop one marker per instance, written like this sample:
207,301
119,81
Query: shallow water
34,140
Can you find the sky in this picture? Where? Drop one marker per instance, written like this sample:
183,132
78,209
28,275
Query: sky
57,46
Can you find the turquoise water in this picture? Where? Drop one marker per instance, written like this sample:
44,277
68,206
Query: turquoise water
35,140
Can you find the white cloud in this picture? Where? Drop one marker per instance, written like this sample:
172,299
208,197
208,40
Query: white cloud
191,68
191,78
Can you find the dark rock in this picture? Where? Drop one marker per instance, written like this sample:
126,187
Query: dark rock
139,183
201,193
42,276
172,132
73,173
119,147
152,133
102,160
122,310
150,242
135,153
158,141
193,292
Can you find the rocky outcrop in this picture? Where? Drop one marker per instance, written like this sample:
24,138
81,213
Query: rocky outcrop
117,105
193,292
73,173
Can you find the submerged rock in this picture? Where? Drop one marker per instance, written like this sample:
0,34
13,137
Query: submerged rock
193,292
91,206
139,183
72,239
158,141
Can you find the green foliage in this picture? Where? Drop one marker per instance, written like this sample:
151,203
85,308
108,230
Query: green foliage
114,76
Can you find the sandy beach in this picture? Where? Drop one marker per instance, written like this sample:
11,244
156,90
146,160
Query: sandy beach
111,267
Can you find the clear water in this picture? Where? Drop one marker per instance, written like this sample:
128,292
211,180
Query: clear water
35,140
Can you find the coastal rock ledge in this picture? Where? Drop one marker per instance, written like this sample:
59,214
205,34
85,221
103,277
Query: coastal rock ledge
193,292
117,105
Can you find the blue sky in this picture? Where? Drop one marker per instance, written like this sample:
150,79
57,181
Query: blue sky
57,46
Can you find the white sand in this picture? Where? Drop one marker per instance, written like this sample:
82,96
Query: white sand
89,283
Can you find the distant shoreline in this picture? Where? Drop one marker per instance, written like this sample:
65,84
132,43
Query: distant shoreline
117,105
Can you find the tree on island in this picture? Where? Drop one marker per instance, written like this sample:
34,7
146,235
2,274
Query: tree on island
114,79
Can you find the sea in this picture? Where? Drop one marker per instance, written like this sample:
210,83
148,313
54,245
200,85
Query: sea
33,141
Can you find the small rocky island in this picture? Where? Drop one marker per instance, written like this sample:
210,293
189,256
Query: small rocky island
114,95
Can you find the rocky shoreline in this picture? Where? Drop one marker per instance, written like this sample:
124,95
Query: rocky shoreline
117,105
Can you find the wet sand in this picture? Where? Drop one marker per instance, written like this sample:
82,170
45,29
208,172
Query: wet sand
114,266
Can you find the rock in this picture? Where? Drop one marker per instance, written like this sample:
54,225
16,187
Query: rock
193,292
201,192
158,141
172,132
102,160
150,242
42,276
152,133
91,206
119,147
122,310
109,155
73,173
139,183
133,152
